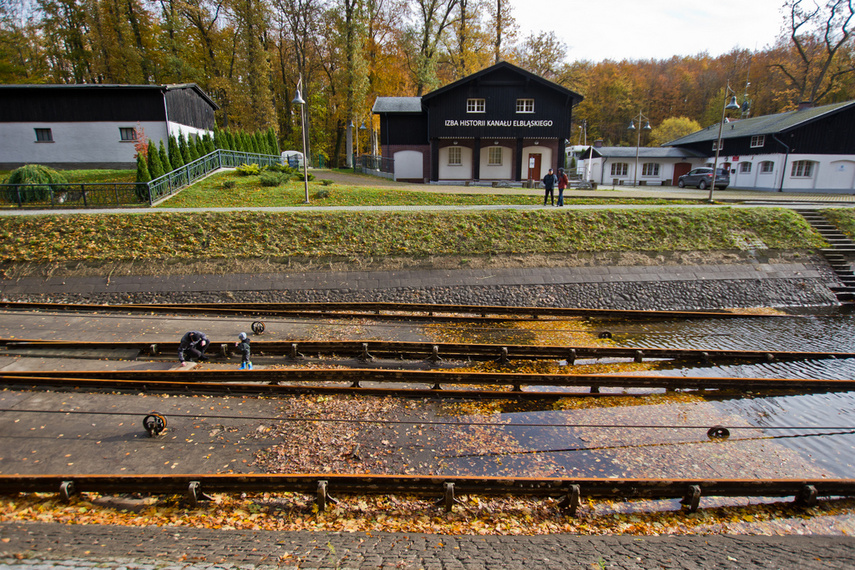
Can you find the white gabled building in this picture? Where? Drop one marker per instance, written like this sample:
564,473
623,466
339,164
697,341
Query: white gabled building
94,126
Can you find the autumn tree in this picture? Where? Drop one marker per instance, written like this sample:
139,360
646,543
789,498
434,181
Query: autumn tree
542,54
813,56
422,40
671,129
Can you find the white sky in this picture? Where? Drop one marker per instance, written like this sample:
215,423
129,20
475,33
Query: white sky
595,30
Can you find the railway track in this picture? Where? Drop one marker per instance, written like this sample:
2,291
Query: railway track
408,311
394,350
324,487
393,382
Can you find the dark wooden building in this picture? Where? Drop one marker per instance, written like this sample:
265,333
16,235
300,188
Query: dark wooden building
95,126
500,124
811,149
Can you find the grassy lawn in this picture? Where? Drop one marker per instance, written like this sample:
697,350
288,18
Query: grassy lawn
168,235
248,192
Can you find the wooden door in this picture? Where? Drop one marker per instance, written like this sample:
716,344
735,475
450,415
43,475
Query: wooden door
680,169
534,166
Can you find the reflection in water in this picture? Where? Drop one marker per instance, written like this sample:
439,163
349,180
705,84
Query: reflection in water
618,452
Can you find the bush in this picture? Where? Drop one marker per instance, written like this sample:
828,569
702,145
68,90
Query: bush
248,169
228,184
326,182
322,193
34,174
270,179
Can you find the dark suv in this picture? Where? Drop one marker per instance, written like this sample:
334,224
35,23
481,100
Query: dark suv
702,178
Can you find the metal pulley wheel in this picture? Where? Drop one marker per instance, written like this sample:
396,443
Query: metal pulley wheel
718,432
258,327
154,424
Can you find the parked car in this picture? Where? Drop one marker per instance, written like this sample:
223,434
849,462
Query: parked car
702,178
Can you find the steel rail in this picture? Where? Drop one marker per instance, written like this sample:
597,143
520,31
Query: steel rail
399,350
443,488
384,310
266,381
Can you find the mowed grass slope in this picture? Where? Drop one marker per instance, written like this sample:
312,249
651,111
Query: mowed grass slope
242,234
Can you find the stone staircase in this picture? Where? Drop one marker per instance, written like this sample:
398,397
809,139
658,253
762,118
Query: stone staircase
839,256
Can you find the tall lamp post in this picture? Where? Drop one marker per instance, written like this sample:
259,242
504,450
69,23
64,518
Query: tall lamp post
298,100
732,105
640,128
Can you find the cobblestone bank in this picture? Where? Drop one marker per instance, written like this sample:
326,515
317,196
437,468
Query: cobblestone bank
639,295
50,546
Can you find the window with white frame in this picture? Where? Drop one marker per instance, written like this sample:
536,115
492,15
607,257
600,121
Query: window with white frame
127,134
758,141
744,167
717,146
44,135
802,169
525,105
650,169
767,167
494,156
619,168
455,156
475,106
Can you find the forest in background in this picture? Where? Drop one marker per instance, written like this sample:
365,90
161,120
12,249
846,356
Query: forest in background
249,56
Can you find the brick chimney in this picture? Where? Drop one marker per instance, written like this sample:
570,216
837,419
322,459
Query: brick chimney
598,143
805,105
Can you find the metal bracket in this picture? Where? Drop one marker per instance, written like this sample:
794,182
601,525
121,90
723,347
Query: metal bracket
294,354
152,350
571,358
434,354
503,357
321,497
807,496
571,500
639,356
67,489
365,356
448,498
195,494
692,498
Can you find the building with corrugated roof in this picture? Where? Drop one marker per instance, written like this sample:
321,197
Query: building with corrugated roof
95,126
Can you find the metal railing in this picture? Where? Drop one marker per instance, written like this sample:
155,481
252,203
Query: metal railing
75,195
170,183
375,162
126,194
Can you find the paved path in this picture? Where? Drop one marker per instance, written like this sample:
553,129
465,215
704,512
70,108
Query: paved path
53,546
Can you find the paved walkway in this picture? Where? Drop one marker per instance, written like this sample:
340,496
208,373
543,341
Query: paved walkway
53,546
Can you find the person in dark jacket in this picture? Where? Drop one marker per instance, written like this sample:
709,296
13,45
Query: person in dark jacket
549,182
192,347
243,346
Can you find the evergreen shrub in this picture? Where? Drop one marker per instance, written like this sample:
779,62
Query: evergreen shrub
34,174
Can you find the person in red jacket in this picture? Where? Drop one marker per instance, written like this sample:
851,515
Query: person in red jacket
563,181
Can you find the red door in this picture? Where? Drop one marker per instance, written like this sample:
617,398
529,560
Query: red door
680,169
534,167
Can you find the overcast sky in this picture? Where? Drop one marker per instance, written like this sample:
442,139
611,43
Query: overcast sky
595,30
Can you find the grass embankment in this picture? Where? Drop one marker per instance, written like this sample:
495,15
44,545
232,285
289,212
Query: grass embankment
843,218
248,192
217,235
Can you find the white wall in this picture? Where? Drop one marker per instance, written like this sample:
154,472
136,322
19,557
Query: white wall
73,143
831,173
463,171
500,172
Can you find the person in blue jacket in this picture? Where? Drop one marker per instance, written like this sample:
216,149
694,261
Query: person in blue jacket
243,346
549,182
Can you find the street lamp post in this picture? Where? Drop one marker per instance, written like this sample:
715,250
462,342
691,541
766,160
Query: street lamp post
733,105
640,128
298,100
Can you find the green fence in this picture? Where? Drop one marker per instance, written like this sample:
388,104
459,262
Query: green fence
125,194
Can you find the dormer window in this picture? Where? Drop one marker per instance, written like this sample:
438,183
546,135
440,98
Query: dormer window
525,105
475,106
